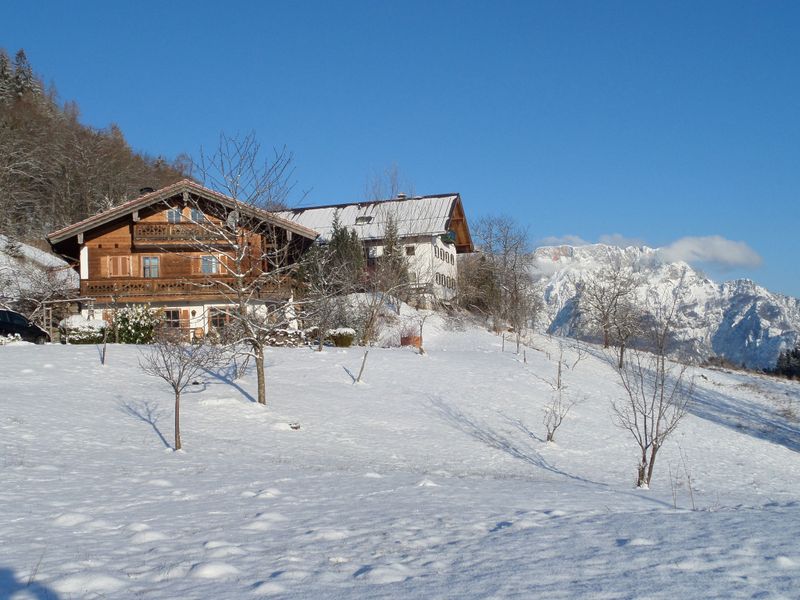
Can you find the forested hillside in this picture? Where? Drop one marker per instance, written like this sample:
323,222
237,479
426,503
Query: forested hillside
54,170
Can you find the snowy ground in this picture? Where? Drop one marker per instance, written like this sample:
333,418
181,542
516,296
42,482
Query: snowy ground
430,480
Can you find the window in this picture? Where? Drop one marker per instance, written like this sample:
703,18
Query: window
218,318
364,220
209,265
150,266
411,250
198,216
119,266
174,215
172,318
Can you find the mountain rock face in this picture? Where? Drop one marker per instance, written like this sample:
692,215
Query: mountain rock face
738,320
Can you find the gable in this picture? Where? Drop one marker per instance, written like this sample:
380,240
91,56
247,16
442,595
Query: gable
184,189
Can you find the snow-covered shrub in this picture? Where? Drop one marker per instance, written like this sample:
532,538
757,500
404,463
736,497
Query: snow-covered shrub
136,324
78,330
286,337
342,337
9,339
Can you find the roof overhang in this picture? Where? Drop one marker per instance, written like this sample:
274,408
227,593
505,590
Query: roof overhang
184,186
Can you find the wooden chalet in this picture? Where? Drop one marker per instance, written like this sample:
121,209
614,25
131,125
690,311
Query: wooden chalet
173,247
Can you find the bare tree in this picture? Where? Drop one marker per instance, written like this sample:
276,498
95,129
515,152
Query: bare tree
178,364
657,390
387,184
603,298
386,280
498,282
560,403
250,259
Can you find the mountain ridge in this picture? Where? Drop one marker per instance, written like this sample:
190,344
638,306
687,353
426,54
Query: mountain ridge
738,319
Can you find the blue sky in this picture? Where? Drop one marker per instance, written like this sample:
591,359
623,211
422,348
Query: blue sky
667,123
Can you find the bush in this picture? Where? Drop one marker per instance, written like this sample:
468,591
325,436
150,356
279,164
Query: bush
9,339
136,324
77,330
342,337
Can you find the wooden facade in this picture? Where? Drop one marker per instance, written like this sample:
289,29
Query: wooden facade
177,248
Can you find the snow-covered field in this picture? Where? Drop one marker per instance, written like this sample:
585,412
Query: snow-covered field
429,480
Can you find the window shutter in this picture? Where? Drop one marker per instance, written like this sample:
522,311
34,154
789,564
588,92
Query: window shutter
185,318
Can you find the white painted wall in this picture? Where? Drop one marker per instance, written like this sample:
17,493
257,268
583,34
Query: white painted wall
434,262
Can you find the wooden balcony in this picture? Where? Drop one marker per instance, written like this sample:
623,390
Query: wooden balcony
176,234
135,290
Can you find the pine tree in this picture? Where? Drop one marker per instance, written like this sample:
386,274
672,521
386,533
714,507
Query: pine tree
393,259
346,252
6,78
24,80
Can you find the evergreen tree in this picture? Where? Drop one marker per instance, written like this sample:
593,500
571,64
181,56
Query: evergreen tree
393,262
346,253
6,78
23,75
788,363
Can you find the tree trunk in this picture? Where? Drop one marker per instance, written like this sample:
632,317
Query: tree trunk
606,337
262,384
642,480
177,420
363,363
621,356
653,452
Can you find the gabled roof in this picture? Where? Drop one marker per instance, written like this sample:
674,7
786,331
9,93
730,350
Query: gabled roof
415,216
185,185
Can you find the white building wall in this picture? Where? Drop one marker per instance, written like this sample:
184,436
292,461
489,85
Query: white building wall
433,264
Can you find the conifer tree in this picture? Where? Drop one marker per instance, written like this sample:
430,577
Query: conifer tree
346,254
6,78
23,75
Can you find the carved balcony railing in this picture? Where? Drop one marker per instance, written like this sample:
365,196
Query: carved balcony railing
124,289
155,234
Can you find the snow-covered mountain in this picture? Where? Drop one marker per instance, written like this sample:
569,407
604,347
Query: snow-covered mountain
739,320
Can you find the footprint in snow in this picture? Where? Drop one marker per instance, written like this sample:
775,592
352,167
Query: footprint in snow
145,537
268,588
265,521
383,574
71,519
213,570
635,542
159,483
427,483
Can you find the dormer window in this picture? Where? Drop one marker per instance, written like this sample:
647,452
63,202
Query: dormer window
364,220
174,215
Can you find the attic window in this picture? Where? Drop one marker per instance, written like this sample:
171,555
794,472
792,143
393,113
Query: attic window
174,215
364,220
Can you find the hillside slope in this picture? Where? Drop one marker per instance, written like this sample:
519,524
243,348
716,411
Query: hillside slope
429,480
744,322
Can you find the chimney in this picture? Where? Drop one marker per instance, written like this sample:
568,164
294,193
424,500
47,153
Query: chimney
401,196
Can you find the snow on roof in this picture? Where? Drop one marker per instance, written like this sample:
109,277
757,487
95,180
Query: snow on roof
419,215
24,268
29,253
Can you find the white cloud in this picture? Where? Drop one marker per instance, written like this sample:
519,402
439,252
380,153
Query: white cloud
564,240
619,240
713,249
